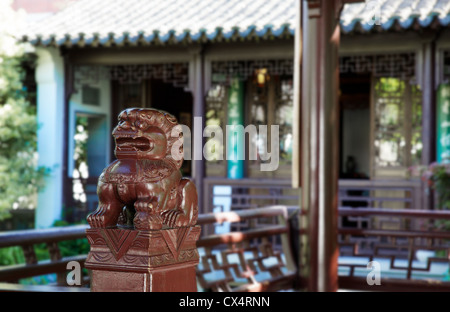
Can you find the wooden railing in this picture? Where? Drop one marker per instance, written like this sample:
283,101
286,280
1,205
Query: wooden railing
248,260
395,245
381,193
255,241
412,249
247,193
222,195
251,193
26,240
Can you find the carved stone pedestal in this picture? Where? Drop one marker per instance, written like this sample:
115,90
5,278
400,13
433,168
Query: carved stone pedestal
143,261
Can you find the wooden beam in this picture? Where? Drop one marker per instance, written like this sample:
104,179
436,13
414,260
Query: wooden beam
124,56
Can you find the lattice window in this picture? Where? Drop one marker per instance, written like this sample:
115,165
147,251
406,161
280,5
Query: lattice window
215,113
397,111
271,103
399,65
284,93
397,123
174,73
225,70
268,101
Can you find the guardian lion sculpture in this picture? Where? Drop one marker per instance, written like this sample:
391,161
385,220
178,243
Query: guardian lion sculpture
144,187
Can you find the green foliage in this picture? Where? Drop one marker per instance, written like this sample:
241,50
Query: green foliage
20,178
74,247
14,255
438,178
442,186
11,256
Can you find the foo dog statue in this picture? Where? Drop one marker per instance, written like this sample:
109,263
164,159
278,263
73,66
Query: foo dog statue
143,188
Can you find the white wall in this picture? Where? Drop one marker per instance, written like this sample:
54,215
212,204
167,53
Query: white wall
50,116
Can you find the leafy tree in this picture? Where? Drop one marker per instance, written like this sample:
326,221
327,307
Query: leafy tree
19,176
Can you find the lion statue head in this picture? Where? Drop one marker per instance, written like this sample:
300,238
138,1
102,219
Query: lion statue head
146,133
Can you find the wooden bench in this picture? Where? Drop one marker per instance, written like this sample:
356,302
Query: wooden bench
258,258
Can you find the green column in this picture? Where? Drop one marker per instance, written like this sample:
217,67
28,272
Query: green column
235,138
443,124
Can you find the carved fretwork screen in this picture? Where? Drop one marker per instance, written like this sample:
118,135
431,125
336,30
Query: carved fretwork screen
215,113
224,71
446,66
399,65
174,73
268,101
396,108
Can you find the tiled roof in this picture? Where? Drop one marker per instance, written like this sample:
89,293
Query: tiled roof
133,22
384,15
104,22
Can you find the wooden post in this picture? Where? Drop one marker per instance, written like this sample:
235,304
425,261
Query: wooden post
320,143
428,115
123,260
143,233
198,165
428,104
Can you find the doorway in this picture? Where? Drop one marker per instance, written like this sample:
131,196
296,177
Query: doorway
355,126
154,93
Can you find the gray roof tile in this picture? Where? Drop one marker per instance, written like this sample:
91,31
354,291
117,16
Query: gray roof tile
101,22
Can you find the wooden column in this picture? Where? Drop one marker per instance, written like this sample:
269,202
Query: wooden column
428,104
67,187
428,115
198,165
320,162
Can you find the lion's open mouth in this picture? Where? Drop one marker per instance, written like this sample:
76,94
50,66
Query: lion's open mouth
132,144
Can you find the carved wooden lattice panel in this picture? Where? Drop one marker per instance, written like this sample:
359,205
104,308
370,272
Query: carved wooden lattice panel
225,70
239,266
398,65
284,92
215,113
397,123
415,250
399,257
175,73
